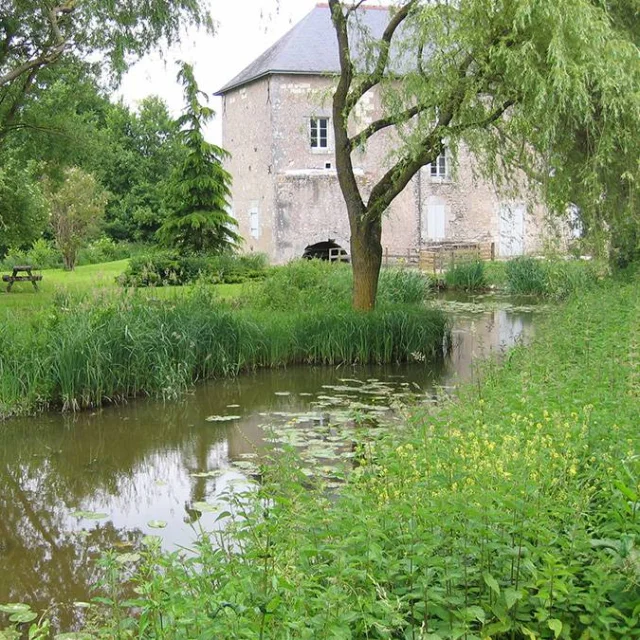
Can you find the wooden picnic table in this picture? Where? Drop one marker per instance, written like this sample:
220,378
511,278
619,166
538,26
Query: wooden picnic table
29,277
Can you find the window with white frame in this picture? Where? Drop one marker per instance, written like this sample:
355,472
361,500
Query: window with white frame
440,168
254,220
319,133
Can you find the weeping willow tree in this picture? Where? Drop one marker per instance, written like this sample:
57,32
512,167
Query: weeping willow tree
513,80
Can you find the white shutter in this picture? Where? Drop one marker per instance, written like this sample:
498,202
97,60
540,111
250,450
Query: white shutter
435,222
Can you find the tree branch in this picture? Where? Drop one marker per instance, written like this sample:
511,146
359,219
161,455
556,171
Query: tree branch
383,123
354,7
48,56
371,80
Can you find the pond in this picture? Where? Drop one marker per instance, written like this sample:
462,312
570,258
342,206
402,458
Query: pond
75,486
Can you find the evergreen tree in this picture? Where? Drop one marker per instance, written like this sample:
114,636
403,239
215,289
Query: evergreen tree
200,189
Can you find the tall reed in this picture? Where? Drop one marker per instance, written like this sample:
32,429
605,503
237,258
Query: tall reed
111,348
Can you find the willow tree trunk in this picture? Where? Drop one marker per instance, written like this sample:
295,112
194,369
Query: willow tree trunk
366,260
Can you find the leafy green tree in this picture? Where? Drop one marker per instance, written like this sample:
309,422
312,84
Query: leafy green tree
77,209
141,151
37,34
200,189
23,210
508,79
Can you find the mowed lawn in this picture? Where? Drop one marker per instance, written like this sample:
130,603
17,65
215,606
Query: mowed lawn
86,280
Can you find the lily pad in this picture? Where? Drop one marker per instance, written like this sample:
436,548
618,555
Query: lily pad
151,541
223,418
157,524
214,473
128,558
204,507
90,515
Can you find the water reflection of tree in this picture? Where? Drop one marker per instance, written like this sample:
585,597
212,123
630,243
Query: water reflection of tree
39,555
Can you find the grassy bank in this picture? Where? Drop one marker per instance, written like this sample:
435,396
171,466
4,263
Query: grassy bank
110,348
511,513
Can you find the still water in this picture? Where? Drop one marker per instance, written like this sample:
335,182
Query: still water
149,461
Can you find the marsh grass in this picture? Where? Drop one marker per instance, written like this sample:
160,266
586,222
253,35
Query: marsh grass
79,355
466,276
556,279
304,284
510,513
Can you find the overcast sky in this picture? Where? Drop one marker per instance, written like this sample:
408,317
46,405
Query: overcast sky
245,28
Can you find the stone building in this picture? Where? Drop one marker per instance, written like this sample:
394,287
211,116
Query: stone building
276,122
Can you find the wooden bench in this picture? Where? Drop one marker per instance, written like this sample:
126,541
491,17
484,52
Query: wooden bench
29,277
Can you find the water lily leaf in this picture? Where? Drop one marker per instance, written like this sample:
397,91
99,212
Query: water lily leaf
214,473
151,541
22,617
14,607
157,524
204,507
223,418
127,558
90,515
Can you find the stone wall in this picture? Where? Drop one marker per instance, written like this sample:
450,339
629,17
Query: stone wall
266,128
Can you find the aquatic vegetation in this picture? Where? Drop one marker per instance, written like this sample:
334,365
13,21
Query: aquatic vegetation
553,278
302,284
104,350
509,513
467,275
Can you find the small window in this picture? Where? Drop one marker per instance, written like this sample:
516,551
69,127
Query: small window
254,221
439,168
319,133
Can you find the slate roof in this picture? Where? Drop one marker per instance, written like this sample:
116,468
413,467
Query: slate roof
309,48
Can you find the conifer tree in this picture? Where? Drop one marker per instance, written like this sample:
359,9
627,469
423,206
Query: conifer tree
200,188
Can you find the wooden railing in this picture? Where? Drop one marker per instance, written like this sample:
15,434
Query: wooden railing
439,256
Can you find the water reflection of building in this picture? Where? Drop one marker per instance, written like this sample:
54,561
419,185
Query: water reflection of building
489,334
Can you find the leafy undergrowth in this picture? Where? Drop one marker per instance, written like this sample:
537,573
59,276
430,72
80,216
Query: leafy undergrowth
511,513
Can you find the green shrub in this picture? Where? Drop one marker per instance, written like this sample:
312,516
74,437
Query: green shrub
554,278
106,250
304,284
42,255
467,275
165,268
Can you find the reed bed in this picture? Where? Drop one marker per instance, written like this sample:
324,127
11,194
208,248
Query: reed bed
107,349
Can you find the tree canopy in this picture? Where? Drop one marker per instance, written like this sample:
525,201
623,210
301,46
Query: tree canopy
36,34
511,80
